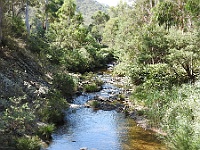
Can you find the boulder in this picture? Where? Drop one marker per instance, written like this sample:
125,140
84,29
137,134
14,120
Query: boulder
84,148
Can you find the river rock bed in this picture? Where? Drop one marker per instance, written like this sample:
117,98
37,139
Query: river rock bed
117,91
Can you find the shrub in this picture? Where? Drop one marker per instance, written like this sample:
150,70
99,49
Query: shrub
28,143
157,76
93,84
95,104
155,100
53,106
45,131
17,26
76,62
175,110
181,120
18,118
65,83
92,87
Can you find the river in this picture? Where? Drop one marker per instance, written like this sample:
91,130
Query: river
86,128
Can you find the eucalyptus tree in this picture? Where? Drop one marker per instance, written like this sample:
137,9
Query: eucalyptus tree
60,28
1,19
110,32
176,16
98,24
66,32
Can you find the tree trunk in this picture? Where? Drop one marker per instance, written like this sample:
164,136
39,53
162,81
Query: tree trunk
190,72
1,18
27,18
46,17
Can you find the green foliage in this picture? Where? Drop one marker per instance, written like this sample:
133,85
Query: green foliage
92,87
18,118
71,43
155,100
91,83
88,8
68,8
154,45
166,14
45,131
193,7
52,108
95,104
137,74
156,59
110,31
99,20
181,119
38,42
158,76
80,60
184,53
104,56
65,83
121,69
87,59
17,26
28,143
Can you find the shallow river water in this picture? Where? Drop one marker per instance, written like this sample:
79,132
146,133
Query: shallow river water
101,130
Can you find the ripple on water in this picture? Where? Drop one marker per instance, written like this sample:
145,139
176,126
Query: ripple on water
101,130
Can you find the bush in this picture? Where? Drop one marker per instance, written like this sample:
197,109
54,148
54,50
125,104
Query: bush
155,100
181,120
95,104
53,107
157,76
18,118
93,84
87,59
176,110
45,131
17,26
76,62
28,143
65,83
92,87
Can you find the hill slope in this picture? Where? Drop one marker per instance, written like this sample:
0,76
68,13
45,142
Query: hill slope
88,8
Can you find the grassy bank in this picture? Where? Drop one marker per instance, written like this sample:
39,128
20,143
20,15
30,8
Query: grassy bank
175,111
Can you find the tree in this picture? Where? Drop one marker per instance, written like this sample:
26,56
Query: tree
110,32
67,32
27,17
99,20
1,19
166,14
184,54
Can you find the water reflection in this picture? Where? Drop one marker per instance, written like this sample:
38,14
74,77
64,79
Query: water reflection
101,130
136,138
88,128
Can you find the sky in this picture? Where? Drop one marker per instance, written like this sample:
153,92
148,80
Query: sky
109,2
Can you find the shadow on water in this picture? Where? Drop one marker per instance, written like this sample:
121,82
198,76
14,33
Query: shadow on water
101,130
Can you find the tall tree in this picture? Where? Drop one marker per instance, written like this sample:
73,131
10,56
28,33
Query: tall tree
1,19
27,17
99,20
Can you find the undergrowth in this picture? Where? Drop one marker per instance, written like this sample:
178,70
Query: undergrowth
175,111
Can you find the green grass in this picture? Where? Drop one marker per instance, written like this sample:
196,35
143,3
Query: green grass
92,87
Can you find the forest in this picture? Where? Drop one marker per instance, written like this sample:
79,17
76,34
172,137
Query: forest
44,44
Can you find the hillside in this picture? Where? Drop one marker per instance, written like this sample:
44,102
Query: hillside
20,73
88,8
